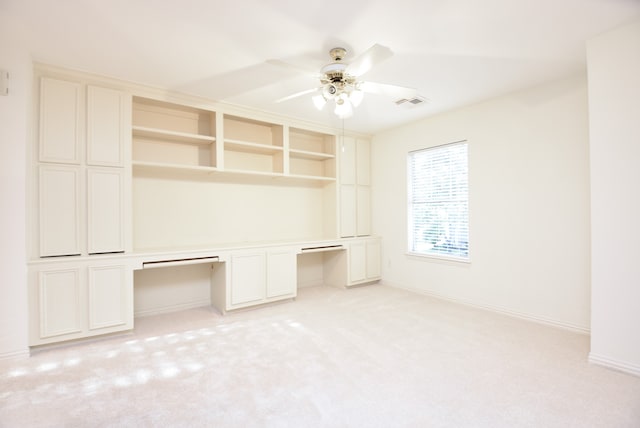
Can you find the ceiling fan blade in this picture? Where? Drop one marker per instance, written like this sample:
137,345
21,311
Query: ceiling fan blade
296,95
366,60
392,91
293,67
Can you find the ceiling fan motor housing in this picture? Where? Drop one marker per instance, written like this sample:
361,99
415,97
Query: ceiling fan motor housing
338,53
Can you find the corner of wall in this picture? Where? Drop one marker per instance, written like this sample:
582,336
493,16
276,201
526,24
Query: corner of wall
15,135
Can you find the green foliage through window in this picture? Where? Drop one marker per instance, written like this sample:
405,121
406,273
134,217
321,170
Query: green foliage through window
439,201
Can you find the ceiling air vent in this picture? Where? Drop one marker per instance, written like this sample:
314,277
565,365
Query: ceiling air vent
417,100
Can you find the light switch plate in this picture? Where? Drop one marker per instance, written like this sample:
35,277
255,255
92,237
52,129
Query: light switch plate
4,82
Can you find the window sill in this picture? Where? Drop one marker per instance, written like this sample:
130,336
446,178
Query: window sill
438,258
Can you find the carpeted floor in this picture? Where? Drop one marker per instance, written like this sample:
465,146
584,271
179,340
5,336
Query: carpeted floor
372,356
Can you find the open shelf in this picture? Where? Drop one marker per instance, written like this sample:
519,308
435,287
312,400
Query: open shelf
249,131
312,154
248,147
159,167
253,146
175,136
303,154
311,178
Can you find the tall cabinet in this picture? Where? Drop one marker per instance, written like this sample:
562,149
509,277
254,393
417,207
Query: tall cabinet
355,187
355,211
82,193
83,138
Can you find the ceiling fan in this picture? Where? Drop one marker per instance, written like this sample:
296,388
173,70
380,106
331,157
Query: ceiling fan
341,82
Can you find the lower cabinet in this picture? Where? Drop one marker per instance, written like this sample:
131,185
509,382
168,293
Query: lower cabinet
282,273
364,261
76,300
261,276
248,277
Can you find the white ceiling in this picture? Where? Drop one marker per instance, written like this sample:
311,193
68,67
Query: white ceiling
454,52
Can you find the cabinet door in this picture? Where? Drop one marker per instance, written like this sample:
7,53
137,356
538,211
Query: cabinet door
357,262
110,297
355,192
347,155
107,126
60,121
105,210
281,273
373,259
59,190
248,277
348,210
363,211
363,162
59,302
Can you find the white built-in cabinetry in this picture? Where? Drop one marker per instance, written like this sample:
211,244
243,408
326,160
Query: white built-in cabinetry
167,135
260,275
281,273
61,125
219,179
364,261
175,136
72,300
82,188
59,209
357,264
311,155
106,188
355,187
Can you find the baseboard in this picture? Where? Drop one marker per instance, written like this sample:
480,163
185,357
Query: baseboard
504,311
15,355
611,363
171,308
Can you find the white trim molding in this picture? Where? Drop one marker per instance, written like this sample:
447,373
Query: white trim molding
15,355
504,311
613,364
171,308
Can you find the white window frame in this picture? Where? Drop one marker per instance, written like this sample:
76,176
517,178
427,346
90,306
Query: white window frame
459,199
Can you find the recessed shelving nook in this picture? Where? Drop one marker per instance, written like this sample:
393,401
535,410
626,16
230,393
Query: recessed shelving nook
312,154
253,146
173,136
169,136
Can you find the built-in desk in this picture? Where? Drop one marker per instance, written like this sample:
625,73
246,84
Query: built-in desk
83,296
241,276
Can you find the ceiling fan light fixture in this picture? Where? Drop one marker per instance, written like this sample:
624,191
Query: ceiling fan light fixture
330,91
345,94
343,108
319,101
340,82
356,97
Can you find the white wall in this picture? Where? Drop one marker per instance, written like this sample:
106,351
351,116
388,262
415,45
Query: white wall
529,204
221,213
170,289
614,118
14,115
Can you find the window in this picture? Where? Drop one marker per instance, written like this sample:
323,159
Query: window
439,201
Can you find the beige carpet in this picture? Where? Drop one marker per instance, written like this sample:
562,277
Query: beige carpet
368,357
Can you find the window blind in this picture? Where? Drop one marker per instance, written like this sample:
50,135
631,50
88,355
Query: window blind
439,201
